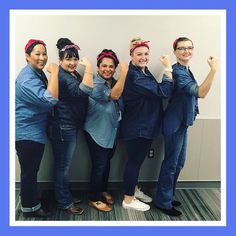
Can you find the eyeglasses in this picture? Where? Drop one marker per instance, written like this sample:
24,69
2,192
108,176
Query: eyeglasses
183,49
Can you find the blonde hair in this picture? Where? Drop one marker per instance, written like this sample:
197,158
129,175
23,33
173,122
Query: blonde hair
137,42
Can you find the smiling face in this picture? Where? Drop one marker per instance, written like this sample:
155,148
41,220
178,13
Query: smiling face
106,68
69,64
140,57
184,52
38,57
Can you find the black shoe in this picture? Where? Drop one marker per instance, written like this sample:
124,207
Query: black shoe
170,212
176,203
39,213
76,200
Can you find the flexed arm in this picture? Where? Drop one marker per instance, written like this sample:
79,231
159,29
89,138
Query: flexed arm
53,79
88,73
206,85
165,60
117,90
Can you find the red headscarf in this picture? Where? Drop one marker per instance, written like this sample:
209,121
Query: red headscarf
32,41
139,44
109,55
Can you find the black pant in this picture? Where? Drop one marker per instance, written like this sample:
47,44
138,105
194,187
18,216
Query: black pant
100,157
30,154
137,149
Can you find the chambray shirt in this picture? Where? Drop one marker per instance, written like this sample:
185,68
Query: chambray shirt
183,105
103,114
33,104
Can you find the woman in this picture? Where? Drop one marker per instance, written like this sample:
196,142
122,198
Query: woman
35,97
142,117
68,117
180,113
102,122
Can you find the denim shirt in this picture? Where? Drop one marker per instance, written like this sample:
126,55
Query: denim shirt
143,109
182,107
33,104
103,115
71,110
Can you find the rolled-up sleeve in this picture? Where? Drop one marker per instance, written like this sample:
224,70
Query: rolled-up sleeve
101,93
87,90
185,83
33,91
149,87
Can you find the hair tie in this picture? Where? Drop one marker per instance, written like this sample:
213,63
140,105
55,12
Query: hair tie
70,46
175,44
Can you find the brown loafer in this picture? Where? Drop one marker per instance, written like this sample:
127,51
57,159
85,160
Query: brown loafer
74,210
100,206
108,198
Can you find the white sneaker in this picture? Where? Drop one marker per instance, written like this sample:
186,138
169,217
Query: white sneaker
136,205
142,196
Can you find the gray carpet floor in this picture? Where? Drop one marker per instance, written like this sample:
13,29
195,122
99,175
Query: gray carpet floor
197,205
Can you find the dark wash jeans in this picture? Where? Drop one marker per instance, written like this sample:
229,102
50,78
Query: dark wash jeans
99,175
174,159
29,154
137,149
63,141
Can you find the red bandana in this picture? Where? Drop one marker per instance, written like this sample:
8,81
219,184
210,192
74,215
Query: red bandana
139,44
107,54
32,41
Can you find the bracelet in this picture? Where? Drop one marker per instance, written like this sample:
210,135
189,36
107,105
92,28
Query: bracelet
168,69
88,72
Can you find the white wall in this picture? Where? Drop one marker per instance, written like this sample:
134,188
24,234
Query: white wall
96,32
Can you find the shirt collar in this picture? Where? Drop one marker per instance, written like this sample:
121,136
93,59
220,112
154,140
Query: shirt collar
103,80
138,68
182,66
39,73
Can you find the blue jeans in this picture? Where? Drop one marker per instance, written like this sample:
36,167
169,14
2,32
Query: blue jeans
63,145
175,155
30,154
137,149
99,175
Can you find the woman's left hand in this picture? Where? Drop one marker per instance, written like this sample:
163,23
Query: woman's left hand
165,60
213,63
85,62
123,67
52,67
